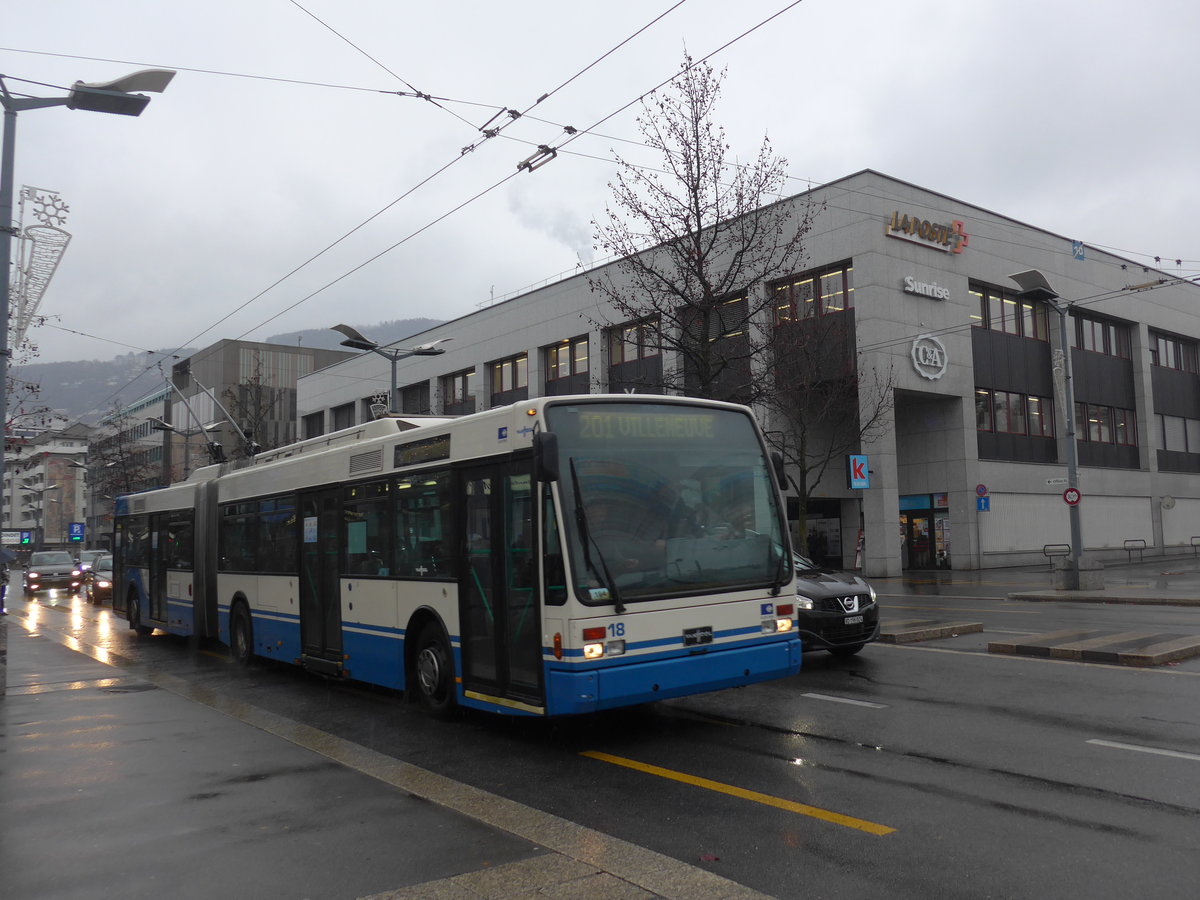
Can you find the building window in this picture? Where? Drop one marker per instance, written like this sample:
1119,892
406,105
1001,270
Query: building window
313,425
1007,412
1102,336
510,374
635,357
1003,311
458,396
570,357
567,367
634,341
343,416
510,380
1099,424
1179,434
983,410
1041,417
414,399
815,293
1173,352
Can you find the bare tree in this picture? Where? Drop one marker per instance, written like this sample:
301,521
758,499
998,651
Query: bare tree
707,251
25,410
827,405
697,240
120,463
254,404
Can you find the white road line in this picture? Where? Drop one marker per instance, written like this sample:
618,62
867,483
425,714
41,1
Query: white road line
1156,750
845,700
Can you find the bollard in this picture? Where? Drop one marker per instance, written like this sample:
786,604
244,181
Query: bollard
1091,574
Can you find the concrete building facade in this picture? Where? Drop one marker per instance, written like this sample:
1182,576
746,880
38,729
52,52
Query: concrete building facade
968,468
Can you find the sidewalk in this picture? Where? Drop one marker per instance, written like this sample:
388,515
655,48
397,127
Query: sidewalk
117,782
1164,581
1170,581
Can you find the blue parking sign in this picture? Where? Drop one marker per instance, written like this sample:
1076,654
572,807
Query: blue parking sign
76,531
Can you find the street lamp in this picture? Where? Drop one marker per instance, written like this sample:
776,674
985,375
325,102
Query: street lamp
357,341
114,97
1034,286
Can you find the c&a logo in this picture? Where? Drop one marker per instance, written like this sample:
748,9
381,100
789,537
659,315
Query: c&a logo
929,357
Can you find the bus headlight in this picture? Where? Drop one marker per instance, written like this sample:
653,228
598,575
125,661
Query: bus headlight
615,648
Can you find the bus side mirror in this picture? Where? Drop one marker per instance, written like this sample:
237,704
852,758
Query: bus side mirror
780,469
545,456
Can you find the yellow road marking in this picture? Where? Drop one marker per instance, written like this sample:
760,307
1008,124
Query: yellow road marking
754,796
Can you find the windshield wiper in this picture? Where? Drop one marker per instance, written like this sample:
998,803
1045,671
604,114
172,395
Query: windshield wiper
779,582
585,538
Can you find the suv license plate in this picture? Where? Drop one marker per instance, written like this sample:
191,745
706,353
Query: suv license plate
854,620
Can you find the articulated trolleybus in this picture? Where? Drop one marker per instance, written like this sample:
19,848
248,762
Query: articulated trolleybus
560,556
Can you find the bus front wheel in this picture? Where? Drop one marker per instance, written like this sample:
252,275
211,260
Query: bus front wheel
434,672
241,635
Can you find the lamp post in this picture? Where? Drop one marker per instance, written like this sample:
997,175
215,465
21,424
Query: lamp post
357,341
1034,286
114,97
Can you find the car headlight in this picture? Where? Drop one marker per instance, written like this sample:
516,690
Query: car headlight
803,602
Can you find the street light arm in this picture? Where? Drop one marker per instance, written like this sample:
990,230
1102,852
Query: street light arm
360,340
153,80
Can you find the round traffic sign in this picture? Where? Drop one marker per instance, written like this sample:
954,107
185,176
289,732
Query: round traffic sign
981,490
1071,496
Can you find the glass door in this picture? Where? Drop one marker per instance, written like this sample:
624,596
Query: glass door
320,599
499,610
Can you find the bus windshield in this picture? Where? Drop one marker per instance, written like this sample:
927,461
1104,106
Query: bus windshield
664,499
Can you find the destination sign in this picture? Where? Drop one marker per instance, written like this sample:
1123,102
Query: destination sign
647,426
427,450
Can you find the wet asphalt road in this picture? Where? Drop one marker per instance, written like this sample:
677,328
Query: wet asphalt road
916,771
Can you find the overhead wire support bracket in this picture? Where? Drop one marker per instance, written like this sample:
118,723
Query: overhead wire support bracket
543,155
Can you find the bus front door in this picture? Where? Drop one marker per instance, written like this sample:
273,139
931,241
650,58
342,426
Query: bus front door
499,609
320,600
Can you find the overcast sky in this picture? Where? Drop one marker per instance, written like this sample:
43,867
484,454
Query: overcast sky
283,131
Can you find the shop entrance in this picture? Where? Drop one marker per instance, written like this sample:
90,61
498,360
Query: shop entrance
925,531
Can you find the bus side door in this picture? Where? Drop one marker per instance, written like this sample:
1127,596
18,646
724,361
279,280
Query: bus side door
320,599
498,592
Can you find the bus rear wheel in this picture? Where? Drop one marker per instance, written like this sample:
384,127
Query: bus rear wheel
135,615
241,636
434,671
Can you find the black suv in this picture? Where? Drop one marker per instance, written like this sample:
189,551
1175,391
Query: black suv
50,569
836,611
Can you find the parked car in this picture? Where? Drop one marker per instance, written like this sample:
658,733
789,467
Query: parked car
836,611
98,581
52,570
87,558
